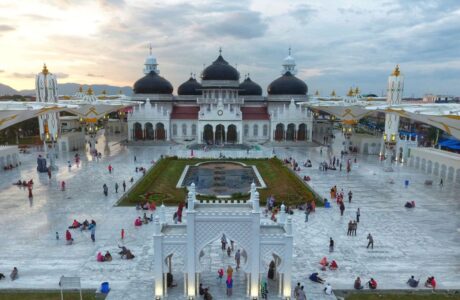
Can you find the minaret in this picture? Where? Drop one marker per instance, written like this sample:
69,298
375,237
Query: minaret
151,63
394,95
47,92
289,64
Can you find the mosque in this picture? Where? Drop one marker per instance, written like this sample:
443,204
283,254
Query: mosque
221,108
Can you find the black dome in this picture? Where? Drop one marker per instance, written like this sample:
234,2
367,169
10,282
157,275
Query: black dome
220,70
190,87
287,84
249,88
152,83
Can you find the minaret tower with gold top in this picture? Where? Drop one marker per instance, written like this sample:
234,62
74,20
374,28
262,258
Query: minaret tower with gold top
394,96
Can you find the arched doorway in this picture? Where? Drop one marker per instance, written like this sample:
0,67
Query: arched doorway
279,132
208,135
160,132
231,134
149,133
137,131
220,135
302,132
290,132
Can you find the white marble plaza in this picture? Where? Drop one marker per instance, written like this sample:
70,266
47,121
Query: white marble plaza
423,241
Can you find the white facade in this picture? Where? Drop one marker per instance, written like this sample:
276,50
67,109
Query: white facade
219,114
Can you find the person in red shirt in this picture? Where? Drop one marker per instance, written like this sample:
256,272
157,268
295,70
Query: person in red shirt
68,238
372,284
431,282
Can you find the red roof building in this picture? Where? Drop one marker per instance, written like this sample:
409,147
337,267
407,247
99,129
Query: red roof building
255,113
185,112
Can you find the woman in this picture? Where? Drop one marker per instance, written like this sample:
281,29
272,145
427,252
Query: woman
107,256
333,265
357,284
68,237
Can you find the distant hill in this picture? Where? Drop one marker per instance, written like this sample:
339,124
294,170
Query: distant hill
7,90
72,88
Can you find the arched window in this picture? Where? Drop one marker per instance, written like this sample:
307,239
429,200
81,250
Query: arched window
246,130
174,129
265,130
184,129
255,130
193,129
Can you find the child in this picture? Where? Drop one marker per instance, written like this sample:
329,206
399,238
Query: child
220,275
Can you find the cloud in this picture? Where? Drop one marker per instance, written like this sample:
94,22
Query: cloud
23,75
61,75
243,25
4,28
2,71
94,75
303,13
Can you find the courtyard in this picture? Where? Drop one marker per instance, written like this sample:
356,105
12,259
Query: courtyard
423,241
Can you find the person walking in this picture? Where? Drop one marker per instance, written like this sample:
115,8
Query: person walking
441,183
358,214
238,259
331,245
307,212
302,295
342,208
116,187
229,272
106,189
124,186
297,291
110,169
93,233
350,195
229,283
350,228
371,241
135,158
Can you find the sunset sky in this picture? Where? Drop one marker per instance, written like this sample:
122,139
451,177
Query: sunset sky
336,43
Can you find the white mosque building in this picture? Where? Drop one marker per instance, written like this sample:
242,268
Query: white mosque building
220,109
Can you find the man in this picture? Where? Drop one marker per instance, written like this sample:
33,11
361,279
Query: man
93,233
358,214
350,195
297,291
238,259
331,245
412,282
106,189
116,187
371,241
328,289
124,186
302,295
350,228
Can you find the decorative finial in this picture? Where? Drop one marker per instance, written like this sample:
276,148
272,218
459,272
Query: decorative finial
350,92
289,50
45,70
396,71
150,48
333,94
317,93
80,89
357,91
89,91
104,92
220,50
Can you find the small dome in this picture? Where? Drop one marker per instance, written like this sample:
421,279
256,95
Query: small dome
152,83
249,88
220,70
287,84
190,87
150,60
289,60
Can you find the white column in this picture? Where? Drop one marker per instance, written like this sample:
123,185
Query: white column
287,280
158,258
255,251
191,278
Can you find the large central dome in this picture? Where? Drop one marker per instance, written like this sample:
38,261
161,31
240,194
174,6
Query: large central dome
287,84
220,70
152,83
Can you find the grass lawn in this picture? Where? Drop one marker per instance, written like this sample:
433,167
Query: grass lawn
401,297
162,179
34,295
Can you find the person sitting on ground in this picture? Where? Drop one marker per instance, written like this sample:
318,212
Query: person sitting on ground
99,257
333,265
2,276
123,251
430,283
169,280
328,289
372,284
107,256
75,225
145,206
358,285
138,222
412,282
14,274
207,295
146,219
129,254
68,237
84,225
201,289
323,262
409,204
315,278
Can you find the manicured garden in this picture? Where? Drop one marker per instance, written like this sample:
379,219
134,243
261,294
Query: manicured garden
159,183
45,295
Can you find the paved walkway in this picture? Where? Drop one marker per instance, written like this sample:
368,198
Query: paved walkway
422,241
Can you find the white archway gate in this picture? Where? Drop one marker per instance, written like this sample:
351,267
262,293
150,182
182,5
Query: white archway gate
240,221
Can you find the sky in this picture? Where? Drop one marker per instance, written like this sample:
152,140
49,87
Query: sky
336,43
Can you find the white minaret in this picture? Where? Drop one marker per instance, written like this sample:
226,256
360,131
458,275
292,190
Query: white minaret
47,92
394,96
289,64
151,63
